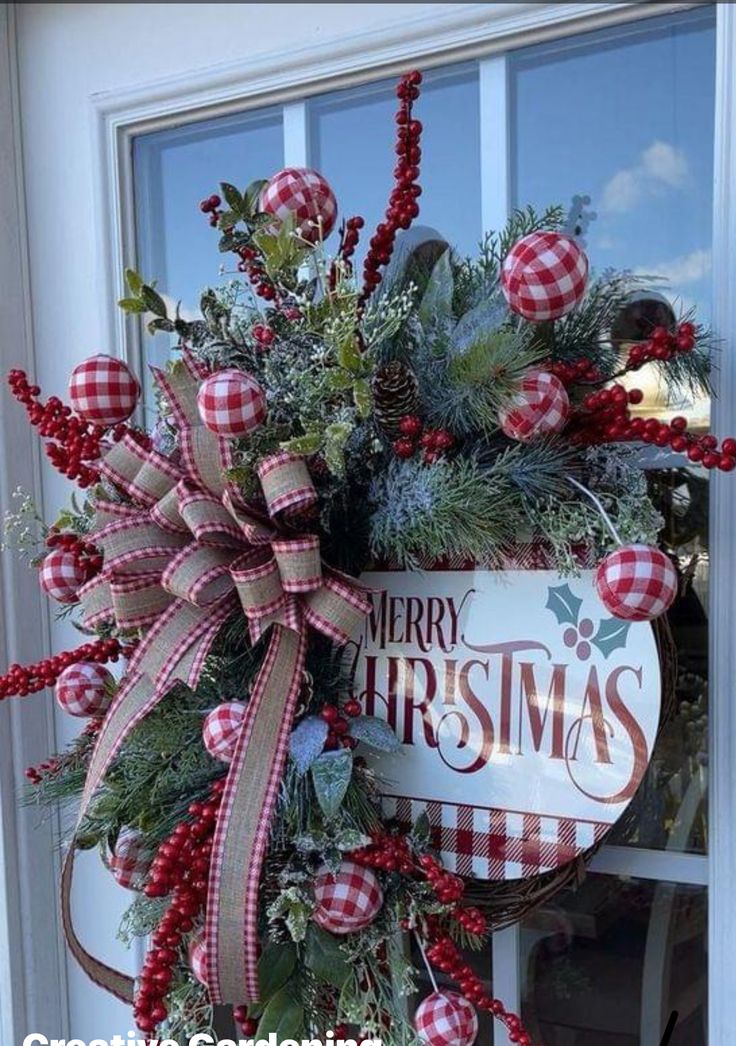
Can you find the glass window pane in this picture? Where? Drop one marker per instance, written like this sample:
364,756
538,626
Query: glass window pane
607,964
626,116
173,170
351,136
669,811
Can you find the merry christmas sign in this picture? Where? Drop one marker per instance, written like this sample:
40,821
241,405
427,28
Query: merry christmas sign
525,713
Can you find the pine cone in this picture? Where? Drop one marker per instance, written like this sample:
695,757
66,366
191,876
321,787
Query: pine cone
395,393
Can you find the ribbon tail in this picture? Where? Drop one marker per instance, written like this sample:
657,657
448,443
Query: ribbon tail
132,703
244,822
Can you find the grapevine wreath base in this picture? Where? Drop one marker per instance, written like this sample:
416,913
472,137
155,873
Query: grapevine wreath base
312,422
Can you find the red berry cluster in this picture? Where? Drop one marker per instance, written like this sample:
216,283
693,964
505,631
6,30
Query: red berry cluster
180,869
433,442
21,680
75,441
263,336
87,555
251,264
448,887
211,206
387,852
662,345
248,1025
349,236
337,735
36,774
571,373
444,954
403,207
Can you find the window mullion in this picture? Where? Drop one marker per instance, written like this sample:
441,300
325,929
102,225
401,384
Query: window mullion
494,141
296,135
506,955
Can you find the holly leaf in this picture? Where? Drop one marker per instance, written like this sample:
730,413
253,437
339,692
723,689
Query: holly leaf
612,634
331,773
307,741
374,732
437,300
420,831
134,281
283,1016
563,604
131,305
310,443
362,397
232,197
252,195
275,966
153,301
325,957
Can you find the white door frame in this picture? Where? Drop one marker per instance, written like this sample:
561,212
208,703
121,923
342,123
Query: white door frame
483,31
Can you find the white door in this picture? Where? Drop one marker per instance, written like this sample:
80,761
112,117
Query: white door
130,113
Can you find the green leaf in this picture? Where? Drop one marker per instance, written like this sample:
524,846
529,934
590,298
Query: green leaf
275,966
159,325
228,219
363,397
325,957
153,301
374,732
252,195
339,380
131,304
420,831
437,300
283,1016
331,773
307,444
232,196
563,604
134,281
349,355
307,741
336,436
612,634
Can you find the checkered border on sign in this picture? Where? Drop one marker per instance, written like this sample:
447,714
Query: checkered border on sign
497,844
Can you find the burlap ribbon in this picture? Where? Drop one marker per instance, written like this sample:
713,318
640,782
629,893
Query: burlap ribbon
185,557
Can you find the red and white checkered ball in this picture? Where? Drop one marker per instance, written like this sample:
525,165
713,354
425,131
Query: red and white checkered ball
221,729
60,575
305,194
197,952
543,276
84,689
130,860
446,1018
636,582
103,390
541,406
231,403
348,900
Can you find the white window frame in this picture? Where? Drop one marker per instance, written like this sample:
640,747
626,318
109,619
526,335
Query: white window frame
487,32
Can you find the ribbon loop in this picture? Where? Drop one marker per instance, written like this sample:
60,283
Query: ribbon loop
199,574
287,485
299,563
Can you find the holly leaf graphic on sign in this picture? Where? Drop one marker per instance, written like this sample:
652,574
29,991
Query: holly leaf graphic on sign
564,604
611,635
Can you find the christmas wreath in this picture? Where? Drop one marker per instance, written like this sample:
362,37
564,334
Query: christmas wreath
314,422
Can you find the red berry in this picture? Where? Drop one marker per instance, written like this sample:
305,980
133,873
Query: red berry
729,446
404,448
410,425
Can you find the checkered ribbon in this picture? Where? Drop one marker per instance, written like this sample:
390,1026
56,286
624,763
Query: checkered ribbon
181,564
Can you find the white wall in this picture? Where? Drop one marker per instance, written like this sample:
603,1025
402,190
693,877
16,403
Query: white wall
67,53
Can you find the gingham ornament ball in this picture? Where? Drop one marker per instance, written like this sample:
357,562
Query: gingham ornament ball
544,275
60,575
221,729
130,860
84,689
197,953
305,194
231,403
446,1018
636,582
102,390
348,900
540,407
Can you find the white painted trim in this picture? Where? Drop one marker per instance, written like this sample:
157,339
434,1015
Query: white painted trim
32,958
721,906
668,865
494,142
